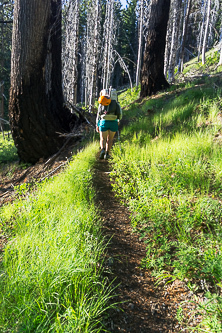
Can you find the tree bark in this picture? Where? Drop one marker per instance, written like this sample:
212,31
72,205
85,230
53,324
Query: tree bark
184,34
138,68
70,51
206,33
201,32
36,106
220,60
2,108
93,48
173,41
152,78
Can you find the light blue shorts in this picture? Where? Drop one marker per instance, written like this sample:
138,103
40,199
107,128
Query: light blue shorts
105,125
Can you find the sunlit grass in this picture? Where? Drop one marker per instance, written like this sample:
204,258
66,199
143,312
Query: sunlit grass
50,275
8,151
168,171
128,96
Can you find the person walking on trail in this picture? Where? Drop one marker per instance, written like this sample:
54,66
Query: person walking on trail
107,121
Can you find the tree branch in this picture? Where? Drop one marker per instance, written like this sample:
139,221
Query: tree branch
6,21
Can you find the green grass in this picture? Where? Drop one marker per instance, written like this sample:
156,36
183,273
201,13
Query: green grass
8,152
210,67
50,275
168,172
128,97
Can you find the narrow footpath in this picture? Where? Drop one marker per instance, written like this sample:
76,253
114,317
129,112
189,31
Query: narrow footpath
143,306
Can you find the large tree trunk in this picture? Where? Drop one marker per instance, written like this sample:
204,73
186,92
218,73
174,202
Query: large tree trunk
152,78
36,106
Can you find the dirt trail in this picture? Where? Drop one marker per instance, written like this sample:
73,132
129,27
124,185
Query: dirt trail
147,308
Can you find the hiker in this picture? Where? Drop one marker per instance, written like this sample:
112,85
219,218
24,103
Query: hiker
107,121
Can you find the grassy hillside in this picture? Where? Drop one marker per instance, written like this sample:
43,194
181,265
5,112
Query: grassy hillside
50,275
168,171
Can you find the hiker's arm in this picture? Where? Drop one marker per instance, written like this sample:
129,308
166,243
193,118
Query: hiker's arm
97,119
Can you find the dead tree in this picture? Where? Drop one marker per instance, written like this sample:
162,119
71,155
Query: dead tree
152,78
70,51
139,55
206,33
172,39
92,50
187,9
109,38
36,103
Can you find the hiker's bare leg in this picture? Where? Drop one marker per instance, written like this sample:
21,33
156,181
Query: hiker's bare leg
109,141
103,139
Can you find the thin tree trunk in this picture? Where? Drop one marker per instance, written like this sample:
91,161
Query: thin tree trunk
206,33
1,74
174,39
36,100
92,50
2,108
109,36
138,68
184,35
108,73
70,52
201,33
220,61
95,56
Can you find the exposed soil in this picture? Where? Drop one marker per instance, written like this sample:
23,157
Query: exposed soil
143,307
13,175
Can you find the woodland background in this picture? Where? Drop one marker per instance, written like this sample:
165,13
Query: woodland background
103,43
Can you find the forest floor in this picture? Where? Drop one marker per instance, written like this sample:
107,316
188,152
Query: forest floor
13,175
143,306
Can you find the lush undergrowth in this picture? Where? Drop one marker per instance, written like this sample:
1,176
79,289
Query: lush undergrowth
8,152
168,171
50,273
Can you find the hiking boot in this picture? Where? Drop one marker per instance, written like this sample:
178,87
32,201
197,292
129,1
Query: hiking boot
106,156
102,153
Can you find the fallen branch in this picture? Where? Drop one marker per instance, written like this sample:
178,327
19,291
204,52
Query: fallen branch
80,112
6,21
4,121
8,191
51,159
53,171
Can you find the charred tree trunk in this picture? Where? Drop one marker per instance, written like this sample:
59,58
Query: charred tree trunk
36,106
152,78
